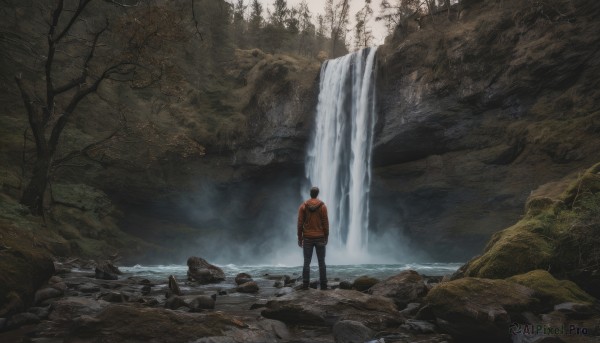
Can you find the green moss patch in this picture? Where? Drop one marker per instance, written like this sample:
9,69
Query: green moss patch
551,290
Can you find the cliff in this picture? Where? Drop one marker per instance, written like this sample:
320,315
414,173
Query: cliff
477,110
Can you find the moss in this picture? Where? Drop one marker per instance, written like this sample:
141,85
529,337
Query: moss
551,290
513,251
561,235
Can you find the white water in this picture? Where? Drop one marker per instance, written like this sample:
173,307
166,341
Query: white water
339,158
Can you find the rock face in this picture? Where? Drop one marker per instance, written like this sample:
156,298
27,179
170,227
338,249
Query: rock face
404,288
107,271
325,308
203,272
476,113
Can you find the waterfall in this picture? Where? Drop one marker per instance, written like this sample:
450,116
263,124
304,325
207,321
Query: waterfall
339,157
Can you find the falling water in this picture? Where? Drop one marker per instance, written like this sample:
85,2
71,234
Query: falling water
339,158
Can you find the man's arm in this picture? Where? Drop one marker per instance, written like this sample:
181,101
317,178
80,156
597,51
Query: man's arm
325,221
300,223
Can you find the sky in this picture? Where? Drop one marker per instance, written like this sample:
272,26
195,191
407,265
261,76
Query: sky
318,6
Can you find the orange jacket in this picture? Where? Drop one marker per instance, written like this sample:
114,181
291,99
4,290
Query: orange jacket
312,220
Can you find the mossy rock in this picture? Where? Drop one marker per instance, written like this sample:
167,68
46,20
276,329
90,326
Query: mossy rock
550,290
515,250
363,283
560,233
474,308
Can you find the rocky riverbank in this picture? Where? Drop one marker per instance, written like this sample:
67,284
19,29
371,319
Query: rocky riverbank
93,302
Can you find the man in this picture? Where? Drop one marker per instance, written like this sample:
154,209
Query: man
313,232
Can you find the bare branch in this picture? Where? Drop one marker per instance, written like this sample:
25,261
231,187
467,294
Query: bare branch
84,70
73,154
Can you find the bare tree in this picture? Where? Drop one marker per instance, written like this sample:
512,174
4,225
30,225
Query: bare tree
336,16
363,35
48,115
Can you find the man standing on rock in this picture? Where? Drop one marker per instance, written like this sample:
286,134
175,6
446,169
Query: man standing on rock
313,232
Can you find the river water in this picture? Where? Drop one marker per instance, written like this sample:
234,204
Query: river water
341,272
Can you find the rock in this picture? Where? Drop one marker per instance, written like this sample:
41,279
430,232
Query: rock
576,310
404,288
248,287
3,322
61,286
345,285
410,309
120,323
551,291
242,278
55,279
41,312
203,272
65,309
202,302
222,292
276,327
146,289
46,293
105,270
175,302
364,282
114,297
319,308
278,284
350,331
425,313
284,291
88,288
419,326
21,319
174,286
473,308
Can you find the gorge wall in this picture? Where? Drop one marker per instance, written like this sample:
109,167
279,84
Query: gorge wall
473,114
476,114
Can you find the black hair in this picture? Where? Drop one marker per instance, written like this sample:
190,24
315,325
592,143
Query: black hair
314,191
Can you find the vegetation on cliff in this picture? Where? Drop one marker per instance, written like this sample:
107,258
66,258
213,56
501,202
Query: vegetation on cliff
558,234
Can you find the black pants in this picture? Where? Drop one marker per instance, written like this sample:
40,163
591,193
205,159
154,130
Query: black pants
319,245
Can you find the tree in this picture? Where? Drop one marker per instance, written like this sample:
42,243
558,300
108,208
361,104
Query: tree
363,36
48,115
239,23
255,22
336,17
394,12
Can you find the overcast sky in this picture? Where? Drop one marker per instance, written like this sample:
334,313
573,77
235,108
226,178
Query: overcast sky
317,6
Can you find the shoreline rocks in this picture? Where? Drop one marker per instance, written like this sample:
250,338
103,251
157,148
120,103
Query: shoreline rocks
203,272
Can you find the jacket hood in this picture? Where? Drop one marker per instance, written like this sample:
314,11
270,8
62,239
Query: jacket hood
313,204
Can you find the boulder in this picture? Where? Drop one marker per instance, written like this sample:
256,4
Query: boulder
65,309
47,293
345,285
105,270
203,272
242,278
363,283
312,307
474,308
175,302
120,323
350,331
551,291
404,288
114,297
419,326
202,302
248,287
21,319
